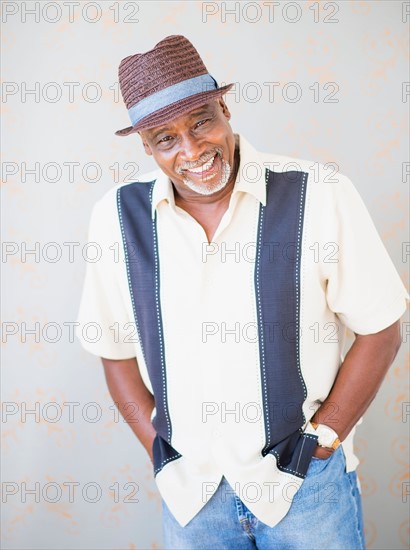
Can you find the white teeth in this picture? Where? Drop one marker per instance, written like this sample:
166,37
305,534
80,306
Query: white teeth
204,167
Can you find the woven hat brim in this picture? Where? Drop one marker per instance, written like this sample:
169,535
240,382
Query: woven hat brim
174,110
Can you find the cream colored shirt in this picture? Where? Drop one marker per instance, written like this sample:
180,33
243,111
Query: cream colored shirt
210,325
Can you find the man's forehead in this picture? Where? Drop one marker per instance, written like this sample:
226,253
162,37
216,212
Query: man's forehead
203,109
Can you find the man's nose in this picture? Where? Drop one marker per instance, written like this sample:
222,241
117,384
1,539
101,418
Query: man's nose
191,148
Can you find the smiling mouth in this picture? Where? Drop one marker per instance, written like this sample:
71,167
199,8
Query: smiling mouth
205,171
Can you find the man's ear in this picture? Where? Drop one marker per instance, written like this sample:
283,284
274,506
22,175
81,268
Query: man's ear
224,107
147,148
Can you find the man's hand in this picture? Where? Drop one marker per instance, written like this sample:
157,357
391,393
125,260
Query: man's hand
358,380
132,398
323,452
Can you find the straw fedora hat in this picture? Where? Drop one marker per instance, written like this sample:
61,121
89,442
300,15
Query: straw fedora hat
166,82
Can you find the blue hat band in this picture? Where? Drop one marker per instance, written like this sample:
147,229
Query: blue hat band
167,96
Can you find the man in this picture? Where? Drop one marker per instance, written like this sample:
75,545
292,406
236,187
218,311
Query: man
241,273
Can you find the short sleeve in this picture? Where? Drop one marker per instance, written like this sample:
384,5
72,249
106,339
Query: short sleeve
363,286
106,327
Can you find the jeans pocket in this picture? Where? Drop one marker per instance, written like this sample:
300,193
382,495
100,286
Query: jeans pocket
318,464
322,459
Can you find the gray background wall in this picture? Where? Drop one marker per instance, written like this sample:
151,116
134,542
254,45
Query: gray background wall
79,458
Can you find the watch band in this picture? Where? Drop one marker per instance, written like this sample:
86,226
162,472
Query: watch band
336,441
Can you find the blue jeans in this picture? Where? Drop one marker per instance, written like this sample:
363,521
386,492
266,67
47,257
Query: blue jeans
326,513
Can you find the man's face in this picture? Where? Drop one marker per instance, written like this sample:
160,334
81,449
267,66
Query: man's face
196,150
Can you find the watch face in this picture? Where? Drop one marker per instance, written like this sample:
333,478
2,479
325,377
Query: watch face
326,436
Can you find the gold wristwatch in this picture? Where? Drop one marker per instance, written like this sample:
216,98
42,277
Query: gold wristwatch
327,437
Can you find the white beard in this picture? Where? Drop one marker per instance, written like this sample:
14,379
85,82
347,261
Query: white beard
211,188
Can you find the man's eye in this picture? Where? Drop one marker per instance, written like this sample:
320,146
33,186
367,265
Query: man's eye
164,139
202,122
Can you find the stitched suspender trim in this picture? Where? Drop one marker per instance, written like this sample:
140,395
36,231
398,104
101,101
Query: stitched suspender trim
260,320
297,284
158,311
277,296
161,338
127,265
137,196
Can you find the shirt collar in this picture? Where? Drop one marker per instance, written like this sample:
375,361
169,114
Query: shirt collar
251,173
162,191
250,178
